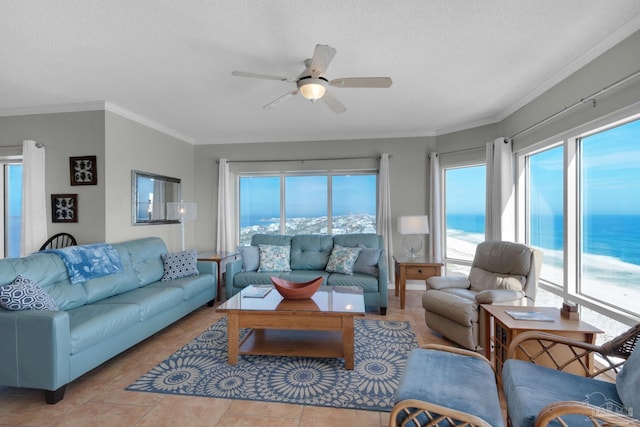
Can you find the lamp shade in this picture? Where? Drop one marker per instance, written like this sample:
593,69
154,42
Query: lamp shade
413,224
182,211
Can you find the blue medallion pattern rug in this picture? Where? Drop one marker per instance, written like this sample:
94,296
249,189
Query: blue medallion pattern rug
200,369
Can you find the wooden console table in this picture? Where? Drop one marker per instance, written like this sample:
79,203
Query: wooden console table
419,268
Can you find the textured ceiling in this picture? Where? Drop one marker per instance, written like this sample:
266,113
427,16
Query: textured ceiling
455,64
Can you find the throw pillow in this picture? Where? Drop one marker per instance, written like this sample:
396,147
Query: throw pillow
628,384
342,259
274,258
250,257
179,264
25,294
367,262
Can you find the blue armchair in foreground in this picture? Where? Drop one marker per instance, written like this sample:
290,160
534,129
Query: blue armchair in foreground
540,396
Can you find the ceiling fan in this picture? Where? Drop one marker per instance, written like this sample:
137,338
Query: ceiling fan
313,84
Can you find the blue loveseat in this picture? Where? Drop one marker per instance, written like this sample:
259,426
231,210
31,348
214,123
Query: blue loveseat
96,319
308,257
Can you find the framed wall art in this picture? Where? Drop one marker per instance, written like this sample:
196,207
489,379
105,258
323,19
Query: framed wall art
83,170
64,208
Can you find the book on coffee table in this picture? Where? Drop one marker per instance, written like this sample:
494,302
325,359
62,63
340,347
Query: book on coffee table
529,315
256,291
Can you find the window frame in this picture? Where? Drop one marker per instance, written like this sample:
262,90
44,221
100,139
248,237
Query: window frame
329,174
571,290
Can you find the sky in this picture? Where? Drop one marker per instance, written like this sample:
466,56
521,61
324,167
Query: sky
306,196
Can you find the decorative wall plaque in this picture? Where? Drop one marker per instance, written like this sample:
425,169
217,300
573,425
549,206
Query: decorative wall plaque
64,207
83,170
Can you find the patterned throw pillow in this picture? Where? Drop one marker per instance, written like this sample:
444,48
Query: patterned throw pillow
342,259
180,264
274,258
25,294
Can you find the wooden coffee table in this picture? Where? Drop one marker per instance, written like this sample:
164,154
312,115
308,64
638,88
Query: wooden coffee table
321,326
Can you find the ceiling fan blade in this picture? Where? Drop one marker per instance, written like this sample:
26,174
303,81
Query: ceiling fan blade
322,57
333,103
261,76
273,104
362,82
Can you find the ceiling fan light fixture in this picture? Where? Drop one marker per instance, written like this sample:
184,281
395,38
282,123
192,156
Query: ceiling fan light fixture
313,88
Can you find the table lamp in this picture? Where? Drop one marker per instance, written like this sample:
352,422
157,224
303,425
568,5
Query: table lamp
182,211
412,226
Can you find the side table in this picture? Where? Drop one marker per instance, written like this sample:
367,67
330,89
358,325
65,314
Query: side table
501,329
217,257
418,268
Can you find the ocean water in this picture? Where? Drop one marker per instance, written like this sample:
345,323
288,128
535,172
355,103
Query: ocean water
615,236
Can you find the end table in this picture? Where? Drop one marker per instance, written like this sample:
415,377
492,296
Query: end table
418,268
217,257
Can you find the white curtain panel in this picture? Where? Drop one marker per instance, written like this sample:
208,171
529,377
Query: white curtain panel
383,217
500,211
34,203
225,240
435,206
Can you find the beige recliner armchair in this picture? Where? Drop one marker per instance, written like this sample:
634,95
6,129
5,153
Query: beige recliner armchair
504,273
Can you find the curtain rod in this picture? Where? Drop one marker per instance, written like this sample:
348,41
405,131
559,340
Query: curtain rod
38,145
300,160
591,98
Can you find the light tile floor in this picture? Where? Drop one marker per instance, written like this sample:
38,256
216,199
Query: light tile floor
99,398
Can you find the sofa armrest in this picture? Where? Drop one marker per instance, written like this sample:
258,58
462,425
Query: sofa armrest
208,267
497,296
231,269
555,412
383,279
437,282
36,346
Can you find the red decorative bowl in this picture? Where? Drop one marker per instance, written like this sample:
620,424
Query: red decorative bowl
296,290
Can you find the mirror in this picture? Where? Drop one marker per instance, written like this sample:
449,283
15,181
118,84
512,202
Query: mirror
150,194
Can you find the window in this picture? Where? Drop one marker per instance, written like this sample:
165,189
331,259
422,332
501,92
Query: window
465,199
11,207
307,204
545,212
581,207
609,206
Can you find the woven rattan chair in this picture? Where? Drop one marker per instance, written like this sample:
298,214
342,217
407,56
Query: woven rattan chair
537,346
58,241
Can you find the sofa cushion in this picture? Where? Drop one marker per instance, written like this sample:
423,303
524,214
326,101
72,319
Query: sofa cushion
146,258
93,323
191,286
305,275
451,380
250,257
482,280
367,262
25,294
310,251
528,388
150,300
365,282
628,383
270,239
274,258
342,259
365,239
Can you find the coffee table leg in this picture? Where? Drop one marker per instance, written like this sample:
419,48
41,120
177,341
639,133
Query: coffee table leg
348,337
233,337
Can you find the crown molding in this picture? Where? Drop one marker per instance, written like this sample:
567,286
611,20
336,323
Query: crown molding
95,106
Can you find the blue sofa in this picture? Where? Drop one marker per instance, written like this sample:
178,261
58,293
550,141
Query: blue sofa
309,255
96,319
